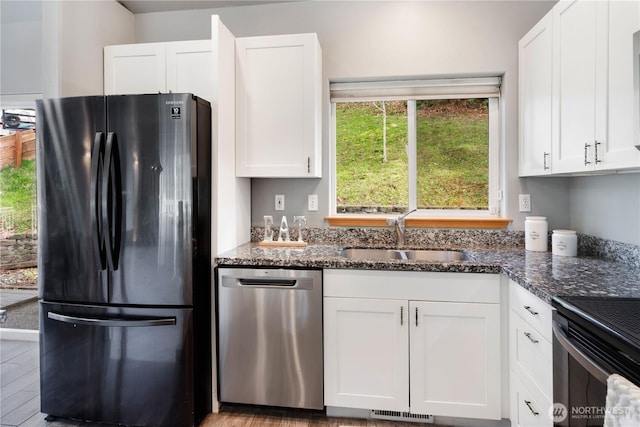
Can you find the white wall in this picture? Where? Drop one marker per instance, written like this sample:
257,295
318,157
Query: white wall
74,33
231,200
382,38
403,38
607,206
20,52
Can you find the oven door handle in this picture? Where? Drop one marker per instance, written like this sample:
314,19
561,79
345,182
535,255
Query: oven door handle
587,363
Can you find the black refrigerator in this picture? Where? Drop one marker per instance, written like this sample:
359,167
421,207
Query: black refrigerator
124,249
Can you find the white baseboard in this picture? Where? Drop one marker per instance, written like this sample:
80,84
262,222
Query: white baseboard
19,334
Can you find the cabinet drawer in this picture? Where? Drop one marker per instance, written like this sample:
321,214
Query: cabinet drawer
527,409
416,285
531,308
531,354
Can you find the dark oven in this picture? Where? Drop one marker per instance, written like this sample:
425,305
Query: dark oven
593,337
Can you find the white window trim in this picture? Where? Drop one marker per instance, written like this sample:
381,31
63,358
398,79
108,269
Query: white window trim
489,88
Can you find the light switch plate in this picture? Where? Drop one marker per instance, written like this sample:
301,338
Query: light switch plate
279,202
312,203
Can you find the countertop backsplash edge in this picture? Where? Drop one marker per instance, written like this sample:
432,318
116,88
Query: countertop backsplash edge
588,245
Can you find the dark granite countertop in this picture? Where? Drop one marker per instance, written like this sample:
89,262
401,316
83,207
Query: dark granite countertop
542,273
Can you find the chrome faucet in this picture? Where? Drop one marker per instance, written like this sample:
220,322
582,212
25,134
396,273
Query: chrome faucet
398,224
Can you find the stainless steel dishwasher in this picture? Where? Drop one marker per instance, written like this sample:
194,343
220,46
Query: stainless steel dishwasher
270,337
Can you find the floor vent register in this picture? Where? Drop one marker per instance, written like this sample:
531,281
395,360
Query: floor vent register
401,416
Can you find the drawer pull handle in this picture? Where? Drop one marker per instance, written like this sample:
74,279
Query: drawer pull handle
533,340
401,315
533,411
530,310
416,316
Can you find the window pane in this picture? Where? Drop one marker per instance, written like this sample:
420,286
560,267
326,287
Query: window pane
366,181
452,154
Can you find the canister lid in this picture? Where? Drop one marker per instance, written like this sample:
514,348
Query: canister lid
535,218
565,231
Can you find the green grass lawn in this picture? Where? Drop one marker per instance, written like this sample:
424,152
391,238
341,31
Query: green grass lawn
452,154
18,191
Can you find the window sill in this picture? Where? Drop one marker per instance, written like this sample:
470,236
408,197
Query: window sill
434,222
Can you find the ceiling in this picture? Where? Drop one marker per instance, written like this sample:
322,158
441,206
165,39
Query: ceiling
147,6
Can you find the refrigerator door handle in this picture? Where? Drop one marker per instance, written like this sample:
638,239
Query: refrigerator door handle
112,201
97,166
127,323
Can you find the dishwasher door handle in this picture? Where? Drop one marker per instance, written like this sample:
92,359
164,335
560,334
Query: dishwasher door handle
283,283
267,283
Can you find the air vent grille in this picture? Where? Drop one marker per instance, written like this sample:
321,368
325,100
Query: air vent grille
401,416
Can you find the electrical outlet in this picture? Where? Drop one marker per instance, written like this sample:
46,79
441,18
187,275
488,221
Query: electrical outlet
279,202
525,202
312,203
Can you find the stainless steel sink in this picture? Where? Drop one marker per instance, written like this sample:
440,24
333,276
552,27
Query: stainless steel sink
403,254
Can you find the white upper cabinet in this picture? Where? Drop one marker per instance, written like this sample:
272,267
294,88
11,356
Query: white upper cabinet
535,88
618,142
178,67
134,68
278,106
579,70
594,89
190,68
587,103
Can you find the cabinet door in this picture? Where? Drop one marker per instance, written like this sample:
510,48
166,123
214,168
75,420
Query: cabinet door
190,68
134,69
535,77
278,101
616,145
366,358
455,359
576,69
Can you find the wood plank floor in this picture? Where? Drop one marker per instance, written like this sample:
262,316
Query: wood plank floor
20,401
249,416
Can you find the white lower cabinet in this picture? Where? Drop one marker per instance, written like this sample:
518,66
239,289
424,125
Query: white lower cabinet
455,359
530,359
366,350
435,349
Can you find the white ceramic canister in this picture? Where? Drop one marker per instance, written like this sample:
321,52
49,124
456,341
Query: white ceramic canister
564,243
535,233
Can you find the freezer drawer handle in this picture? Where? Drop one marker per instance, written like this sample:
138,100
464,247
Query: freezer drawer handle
111,322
